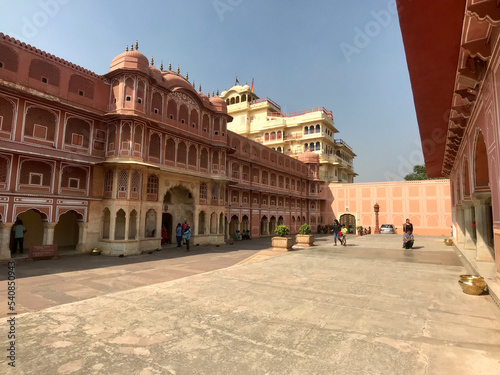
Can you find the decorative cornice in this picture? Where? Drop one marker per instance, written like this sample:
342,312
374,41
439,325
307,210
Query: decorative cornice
486,11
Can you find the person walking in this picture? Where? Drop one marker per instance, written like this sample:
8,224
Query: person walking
19,230
187,236
178,234
336,230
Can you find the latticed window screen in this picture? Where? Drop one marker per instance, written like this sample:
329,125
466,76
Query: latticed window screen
136,182
203,191
152,187
215,192
123,180
222,192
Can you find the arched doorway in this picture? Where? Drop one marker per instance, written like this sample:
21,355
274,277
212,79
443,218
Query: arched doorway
349,221
264,226
66,231
33,221
167,222
234,225
179,203
245,223
272,225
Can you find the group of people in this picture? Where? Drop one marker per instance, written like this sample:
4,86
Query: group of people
339,233
408,238
244,235
183,234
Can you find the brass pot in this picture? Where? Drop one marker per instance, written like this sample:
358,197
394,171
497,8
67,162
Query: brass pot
471,287
472,278
95,251
448,242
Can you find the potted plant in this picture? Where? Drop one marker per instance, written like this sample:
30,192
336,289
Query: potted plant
304,238
360,230
281,242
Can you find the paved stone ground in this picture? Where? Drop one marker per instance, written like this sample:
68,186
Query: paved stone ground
367,308
42,284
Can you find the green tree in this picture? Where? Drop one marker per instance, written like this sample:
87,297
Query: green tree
419,173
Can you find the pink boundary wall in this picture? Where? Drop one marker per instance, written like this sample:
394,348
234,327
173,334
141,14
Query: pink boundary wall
426,203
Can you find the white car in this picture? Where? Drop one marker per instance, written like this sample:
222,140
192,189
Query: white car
387,229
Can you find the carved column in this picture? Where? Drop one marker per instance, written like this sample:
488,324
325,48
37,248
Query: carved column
376,209
48,233
460,224
469,242
82,236
5,230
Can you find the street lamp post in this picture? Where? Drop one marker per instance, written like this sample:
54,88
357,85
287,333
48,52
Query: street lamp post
376,209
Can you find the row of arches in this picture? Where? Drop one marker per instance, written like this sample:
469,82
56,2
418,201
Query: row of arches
41,126
132,92
40,175
125,226
162,149
265,155
245,173
46,73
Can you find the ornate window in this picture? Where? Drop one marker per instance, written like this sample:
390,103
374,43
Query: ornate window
135,186
203,191
122,183
152,188
215,192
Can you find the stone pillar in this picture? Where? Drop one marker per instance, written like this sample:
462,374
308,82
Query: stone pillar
48,233
460,224
376,209
196,226
469,237
5,230
82,236
112,224
480,207
127,224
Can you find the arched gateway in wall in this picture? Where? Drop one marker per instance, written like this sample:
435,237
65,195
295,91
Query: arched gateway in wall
178,207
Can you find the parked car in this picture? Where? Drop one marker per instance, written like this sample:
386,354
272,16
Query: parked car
387,229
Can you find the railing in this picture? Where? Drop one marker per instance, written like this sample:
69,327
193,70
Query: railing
341,142
299,113
262,100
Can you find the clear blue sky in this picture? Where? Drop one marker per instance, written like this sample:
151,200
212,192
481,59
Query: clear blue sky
345,55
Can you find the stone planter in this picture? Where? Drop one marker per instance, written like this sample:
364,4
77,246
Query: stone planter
282,243
305,240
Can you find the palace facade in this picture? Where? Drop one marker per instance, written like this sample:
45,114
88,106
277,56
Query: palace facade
261,120
105,161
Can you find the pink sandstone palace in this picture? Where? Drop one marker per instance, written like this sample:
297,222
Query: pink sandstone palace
104,161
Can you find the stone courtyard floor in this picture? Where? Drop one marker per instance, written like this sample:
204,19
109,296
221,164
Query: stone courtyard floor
367,308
